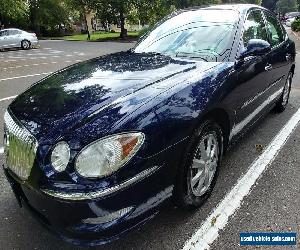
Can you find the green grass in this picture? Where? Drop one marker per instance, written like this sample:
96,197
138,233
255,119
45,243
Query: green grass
99,36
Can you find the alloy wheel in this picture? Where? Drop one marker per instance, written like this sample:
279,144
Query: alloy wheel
25,44
204,164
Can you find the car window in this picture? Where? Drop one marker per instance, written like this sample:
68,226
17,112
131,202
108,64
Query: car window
254,27
4,33
13,32
274,30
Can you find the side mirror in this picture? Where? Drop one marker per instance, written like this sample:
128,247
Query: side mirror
255,47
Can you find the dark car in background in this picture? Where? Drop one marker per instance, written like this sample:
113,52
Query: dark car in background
94,149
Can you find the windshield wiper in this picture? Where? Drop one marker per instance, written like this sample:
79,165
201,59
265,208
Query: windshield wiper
190,55
148,53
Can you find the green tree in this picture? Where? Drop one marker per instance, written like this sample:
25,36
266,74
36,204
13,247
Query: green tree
48,15
79,8
269,4
14,13
118,11
151,12
115,11
284,6
203,2
183,3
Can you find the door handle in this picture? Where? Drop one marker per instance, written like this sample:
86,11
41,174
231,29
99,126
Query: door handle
288,57
268,67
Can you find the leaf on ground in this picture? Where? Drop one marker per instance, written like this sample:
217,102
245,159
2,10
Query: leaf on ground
259,148
214,220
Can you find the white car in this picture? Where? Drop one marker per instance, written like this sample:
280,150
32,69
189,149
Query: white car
15,38
289,21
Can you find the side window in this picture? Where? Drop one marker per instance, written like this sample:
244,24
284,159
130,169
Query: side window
4,33
274,30
254,27
13,32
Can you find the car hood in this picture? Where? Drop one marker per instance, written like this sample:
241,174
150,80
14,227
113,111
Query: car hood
65,98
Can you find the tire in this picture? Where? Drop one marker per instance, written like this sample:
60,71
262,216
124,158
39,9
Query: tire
186,194
25,44
284,99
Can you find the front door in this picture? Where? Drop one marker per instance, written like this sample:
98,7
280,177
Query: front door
279,55
252,77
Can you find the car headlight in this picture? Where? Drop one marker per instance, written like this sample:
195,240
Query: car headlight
107,155
60,156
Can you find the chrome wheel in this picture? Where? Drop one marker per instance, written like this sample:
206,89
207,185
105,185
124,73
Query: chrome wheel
286,91
204,164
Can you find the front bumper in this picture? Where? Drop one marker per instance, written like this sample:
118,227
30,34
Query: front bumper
35,43
73,220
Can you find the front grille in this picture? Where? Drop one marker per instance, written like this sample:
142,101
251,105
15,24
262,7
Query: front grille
20,147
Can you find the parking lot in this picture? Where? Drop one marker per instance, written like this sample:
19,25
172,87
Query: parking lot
272,205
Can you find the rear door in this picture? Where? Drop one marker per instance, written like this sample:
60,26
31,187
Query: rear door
17,38
12,38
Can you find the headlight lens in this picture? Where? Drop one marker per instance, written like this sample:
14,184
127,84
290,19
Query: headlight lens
60,156
107,155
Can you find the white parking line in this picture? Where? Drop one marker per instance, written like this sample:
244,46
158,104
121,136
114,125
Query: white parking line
17,77
24,58
29,65
8,98
1,150
26,51
217,220
37,64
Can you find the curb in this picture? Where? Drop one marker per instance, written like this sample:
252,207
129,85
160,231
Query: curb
295,34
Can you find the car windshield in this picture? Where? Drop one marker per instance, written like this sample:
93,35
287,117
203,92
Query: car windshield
204,34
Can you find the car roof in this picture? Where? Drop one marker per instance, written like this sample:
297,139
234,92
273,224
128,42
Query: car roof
12,29
237,7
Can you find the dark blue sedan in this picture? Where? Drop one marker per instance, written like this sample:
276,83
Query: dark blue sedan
95,149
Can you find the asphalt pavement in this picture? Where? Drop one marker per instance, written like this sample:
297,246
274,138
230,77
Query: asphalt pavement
272,205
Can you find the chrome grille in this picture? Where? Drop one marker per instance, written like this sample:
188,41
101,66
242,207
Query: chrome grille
20,147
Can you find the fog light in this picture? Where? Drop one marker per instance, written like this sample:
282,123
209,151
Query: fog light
109,217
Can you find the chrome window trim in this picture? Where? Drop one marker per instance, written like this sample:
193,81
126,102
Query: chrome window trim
81,196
